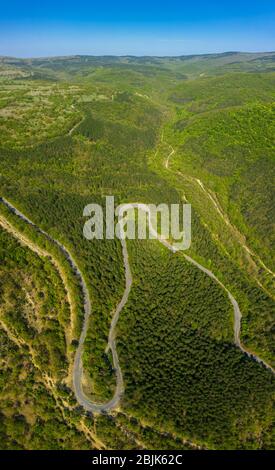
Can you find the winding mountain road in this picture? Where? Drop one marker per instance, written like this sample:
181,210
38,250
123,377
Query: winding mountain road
236,308
82,399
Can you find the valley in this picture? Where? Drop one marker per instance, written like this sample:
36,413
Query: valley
129,344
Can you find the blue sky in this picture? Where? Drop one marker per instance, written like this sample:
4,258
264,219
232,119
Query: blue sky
144,27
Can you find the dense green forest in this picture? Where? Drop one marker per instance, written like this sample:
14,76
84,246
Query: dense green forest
75,130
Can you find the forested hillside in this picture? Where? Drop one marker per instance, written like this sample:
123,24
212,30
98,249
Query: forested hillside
194,128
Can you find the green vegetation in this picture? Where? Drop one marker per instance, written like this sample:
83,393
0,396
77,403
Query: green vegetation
226,139
78,129
33,315
177,355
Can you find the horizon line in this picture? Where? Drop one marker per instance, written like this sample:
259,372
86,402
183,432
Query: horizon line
134,55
